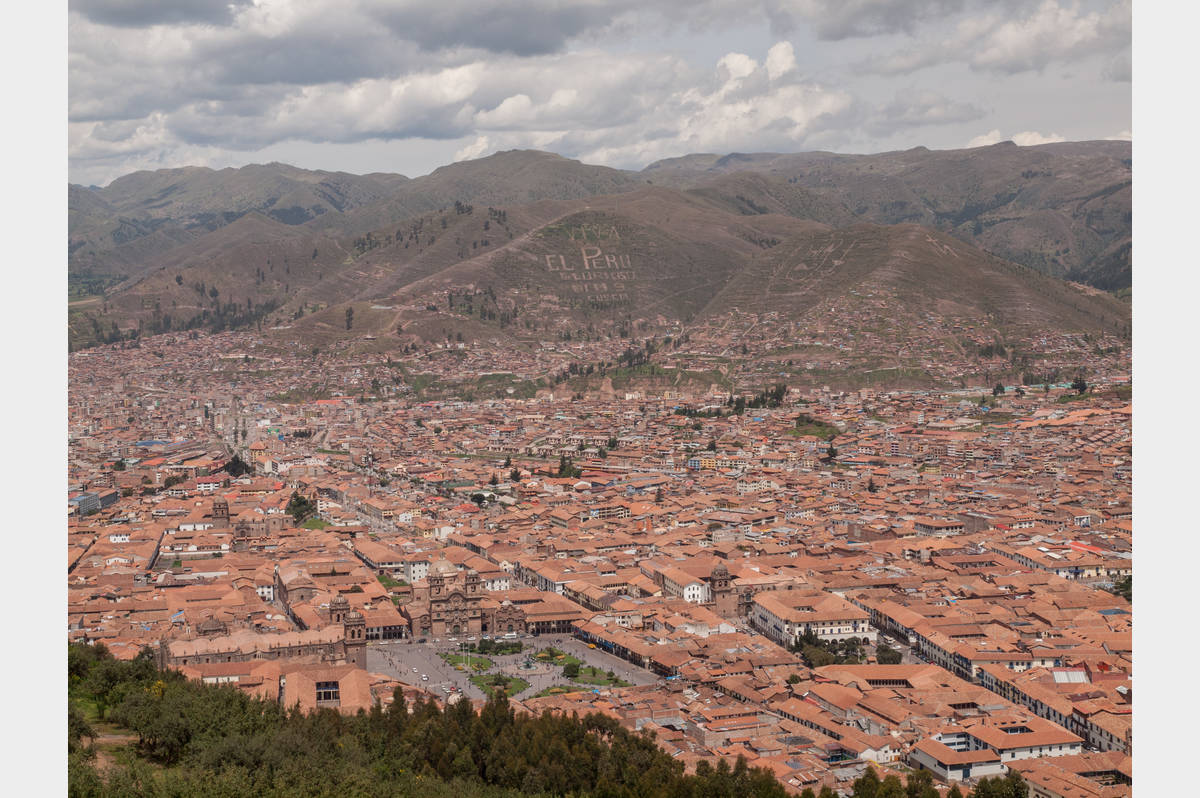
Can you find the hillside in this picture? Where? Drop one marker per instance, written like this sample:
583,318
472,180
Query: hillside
920,272
1063,209
185,738
539,245
516,177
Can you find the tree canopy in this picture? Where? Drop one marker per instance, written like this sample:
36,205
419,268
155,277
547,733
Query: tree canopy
200,740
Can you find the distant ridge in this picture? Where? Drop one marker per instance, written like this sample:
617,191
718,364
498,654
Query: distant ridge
288,242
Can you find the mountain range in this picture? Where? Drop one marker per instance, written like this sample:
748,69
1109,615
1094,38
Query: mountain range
532,242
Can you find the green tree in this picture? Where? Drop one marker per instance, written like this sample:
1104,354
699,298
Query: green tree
998,390
77,728
102,684
886,655
1010,785
866,785
816,657
920,785
891,787
349,318
300,507
1080,385
236,467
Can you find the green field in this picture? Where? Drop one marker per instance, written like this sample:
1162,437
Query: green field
597,677
390,583
487,684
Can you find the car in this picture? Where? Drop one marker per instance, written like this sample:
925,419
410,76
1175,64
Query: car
422,640
416,670
471,639
591,645
424,678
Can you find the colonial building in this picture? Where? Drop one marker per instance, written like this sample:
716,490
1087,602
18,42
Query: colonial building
451,604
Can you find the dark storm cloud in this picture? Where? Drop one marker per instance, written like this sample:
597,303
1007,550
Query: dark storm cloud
144,13
529,27
834,20
308,56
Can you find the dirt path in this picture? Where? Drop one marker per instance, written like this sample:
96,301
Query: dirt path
107,744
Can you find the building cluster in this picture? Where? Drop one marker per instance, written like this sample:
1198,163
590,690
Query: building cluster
760,558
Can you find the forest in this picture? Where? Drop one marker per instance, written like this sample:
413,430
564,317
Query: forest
187,739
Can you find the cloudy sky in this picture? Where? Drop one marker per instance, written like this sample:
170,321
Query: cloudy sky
409,85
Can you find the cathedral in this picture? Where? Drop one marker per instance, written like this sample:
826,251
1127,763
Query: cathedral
455,603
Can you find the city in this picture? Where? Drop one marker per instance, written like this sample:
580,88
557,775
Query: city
814,580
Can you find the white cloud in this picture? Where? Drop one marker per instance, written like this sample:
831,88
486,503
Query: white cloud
149,88
1031,138
781,59
1026,138
1053,32
477,149
741,105
1000,42
986,139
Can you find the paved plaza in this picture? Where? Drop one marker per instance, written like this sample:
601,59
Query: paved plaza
399,658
